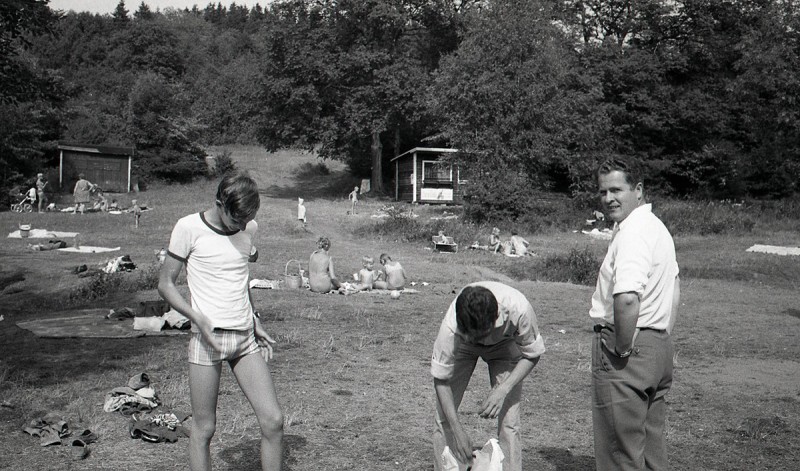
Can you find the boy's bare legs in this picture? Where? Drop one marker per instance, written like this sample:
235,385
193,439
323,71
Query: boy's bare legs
204,390
252,374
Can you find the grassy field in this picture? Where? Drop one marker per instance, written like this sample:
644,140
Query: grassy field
352,372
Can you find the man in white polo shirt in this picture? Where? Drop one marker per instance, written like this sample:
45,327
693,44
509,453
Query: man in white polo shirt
634,308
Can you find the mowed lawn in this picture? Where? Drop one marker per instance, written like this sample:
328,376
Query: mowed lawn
352,372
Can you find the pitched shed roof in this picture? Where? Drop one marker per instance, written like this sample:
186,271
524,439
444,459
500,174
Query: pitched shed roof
425,149
96,149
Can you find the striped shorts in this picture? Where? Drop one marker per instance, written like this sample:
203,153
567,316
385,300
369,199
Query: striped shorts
235,344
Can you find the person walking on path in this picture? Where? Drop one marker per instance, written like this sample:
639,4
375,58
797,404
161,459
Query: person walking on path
634,308
41,198
494,322
82,193
214,246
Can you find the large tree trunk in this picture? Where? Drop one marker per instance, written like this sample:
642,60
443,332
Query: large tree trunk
376,149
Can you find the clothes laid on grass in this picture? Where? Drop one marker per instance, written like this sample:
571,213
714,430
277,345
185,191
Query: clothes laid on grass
89,249
128,401
123,263
42,234
89,323
774,249
156,428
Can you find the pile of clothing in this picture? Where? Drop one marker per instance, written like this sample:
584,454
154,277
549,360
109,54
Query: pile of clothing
123,263
165,427
137,396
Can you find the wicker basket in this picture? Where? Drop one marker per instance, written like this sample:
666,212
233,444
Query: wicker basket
292,281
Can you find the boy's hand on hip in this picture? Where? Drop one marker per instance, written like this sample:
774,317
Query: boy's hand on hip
208,335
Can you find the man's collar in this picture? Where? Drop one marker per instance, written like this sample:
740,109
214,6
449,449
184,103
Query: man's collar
640,211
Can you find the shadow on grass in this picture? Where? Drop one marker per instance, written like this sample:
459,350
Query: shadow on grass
43,362
309,183
246,455
564,460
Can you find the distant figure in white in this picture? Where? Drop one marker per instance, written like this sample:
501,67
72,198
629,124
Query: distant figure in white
301,211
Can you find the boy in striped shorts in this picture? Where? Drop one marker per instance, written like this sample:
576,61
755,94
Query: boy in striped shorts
215,246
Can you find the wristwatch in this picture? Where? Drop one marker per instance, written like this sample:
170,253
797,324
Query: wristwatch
624,354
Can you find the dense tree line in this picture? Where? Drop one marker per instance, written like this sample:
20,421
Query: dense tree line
704,92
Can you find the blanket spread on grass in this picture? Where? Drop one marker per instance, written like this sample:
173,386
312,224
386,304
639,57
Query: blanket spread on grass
87,323
42,234
775,249
89,249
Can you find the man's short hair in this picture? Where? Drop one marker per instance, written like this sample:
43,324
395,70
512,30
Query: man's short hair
630,168
476,309
238,194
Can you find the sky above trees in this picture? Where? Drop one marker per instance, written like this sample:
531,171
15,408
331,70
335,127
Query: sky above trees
104,7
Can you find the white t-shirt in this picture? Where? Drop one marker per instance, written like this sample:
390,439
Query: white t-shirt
216,270
640,259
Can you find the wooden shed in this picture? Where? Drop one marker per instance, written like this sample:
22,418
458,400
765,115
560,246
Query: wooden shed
106,166
423,175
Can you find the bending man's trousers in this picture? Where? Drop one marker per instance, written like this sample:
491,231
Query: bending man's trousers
501,360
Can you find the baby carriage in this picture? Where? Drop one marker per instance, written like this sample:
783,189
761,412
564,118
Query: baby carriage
24,206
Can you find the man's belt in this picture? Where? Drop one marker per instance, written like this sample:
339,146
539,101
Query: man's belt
599,327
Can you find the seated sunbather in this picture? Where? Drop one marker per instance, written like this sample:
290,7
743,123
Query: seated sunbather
321,275
394,276
518,244
365,278
440,238
494,241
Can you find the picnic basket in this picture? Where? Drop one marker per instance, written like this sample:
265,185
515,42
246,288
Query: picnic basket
292,281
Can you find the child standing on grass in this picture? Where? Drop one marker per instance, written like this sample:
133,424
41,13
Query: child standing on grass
215,245
353,196
137,213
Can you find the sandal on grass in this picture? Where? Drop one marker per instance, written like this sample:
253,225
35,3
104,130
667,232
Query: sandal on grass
79,450
87,436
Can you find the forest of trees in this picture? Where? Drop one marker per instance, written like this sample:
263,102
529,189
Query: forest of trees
705,93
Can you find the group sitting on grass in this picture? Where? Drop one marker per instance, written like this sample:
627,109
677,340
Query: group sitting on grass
322,276
516,246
